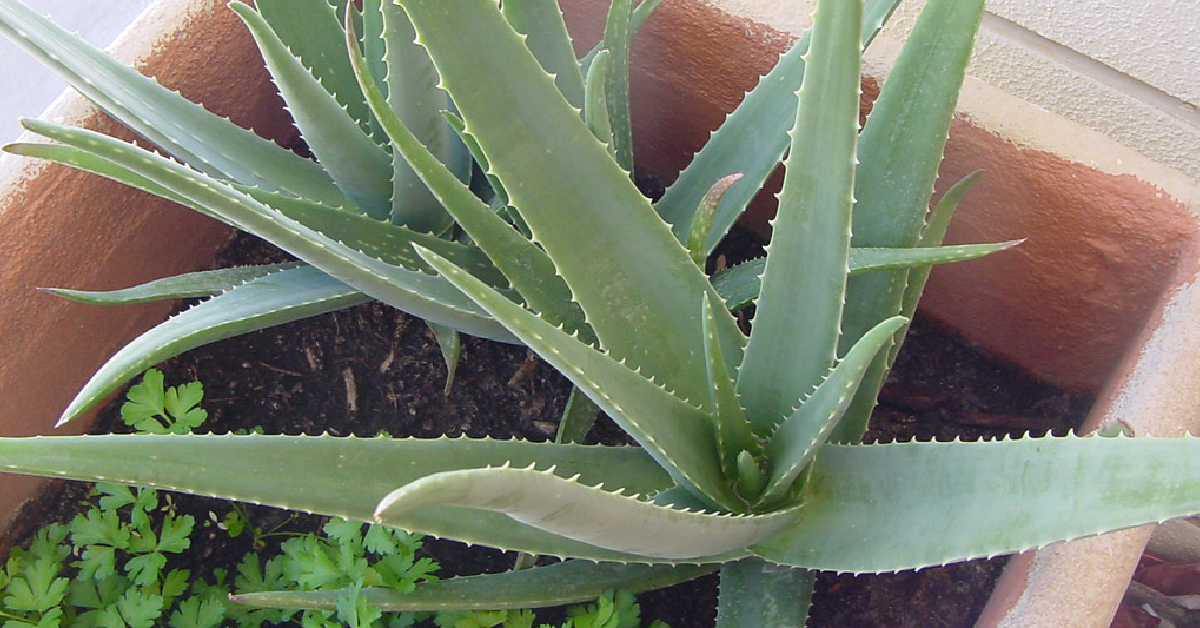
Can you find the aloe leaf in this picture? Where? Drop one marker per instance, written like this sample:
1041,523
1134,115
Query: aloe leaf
596,111
340,477
499,195
641,13
414,96
900,149
204,283
378,239
630,276
383,241
83,160
697,240
450,343
374,46
274,299
678,435
932,235
795,442
794,340
752,139
525,265
935,231
422,295
758,594
562,583
980,498
732,429
311,30
359,166
616,85
590,514
541,22
577,418
739,285
201,139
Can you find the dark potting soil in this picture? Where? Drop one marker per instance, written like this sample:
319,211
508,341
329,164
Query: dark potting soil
372,368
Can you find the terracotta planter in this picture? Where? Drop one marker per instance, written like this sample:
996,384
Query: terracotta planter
66,228
1105,273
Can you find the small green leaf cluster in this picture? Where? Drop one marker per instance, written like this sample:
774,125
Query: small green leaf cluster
154,409
614,609
107,568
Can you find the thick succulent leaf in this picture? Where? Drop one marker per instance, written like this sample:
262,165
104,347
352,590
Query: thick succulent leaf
697,240
900,149
359,166
374,46
414,95
201,139
794,340
676,434
577,418
274,299
594,515
541,22
415,292
932,235
758,594
341,477
798,438
205,283
872,508
450,343
526,266
378,239
617,33
641,13
83,160
311,30
630,276
752,139
739,285
384,241
595,113
732,429
562,583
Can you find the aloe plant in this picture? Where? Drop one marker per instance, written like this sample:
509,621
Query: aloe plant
747,461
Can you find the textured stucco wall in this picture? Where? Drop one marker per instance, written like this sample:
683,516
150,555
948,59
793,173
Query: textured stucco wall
1125,70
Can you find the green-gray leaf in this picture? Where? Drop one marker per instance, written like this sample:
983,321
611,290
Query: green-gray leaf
678,435
539,587
280,297
630,276
591,514
201,139
341,477
872,508
739,285
359,166
205,283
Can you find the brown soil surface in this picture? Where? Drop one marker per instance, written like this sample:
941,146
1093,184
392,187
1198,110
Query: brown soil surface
371,368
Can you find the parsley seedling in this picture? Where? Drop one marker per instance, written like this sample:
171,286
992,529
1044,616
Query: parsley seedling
153,409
